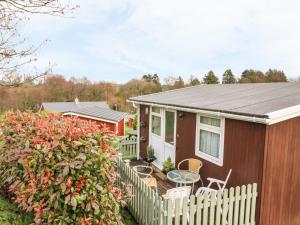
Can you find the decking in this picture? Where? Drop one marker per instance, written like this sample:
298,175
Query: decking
163,184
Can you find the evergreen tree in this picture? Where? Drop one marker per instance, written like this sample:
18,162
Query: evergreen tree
210,78
193,81
228,77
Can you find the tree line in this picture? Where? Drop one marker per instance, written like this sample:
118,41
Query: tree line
56,88
247,76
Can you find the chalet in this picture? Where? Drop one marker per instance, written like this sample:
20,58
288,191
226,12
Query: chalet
99,112
253,129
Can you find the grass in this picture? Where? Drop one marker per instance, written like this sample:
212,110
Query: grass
127,129
128,219
10,215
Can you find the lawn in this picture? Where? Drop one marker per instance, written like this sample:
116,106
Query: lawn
10,215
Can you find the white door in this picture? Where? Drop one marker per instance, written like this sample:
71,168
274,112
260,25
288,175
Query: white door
156,135
169,134
162,134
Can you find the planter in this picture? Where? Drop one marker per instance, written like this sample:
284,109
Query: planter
142,139
142,124
149,160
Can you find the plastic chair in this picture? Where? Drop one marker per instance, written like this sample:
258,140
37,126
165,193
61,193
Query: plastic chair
220,183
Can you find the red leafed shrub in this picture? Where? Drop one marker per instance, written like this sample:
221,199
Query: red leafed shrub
61,169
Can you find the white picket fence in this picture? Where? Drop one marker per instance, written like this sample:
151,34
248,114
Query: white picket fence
235,206
128,147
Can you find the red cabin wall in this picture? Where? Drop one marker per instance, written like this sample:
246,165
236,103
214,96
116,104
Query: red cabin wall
121,127
110,126
281,176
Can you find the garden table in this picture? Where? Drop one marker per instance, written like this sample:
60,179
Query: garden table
183,177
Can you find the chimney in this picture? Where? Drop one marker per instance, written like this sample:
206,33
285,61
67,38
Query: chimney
76,101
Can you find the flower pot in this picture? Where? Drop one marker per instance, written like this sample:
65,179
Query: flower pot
149,160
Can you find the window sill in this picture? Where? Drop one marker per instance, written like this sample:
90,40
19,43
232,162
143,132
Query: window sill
216,161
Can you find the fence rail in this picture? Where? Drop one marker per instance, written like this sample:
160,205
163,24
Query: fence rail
235,206
128,147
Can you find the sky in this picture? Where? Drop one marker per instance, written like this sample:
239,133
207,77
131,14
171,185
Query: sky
117,40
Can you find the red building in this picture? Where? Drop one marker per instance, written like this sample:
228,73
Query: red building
98,112
113,120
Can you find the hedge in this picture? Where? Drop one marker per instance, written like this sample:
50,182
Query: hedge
61,169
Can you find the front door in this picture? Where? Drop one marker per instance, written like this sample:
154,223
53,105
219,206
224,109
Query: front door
162,134
169,134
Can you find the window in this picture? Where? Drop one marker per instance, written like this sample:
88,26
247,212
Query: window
156,125
170,127
210,139
155,109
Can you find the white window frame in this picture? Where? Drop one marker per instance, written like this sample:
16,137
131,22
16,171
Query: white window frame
219,130
175,127
161,122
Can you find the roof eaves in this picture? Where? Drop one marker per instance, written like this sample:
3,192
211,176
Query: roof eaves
203,109
91,117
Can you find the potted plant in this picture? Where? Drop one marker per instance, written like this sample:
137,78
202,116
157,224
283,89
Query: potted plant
168,165
150,155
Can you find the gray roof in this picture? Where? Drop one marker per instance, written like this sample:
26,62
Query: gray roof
99,112
257,99
67,106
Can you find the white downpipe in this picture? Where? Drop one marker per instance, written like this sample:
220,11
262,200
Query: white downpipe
137,106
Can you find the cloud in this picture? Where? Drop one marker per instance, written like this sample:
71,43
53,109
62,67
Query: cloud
124,39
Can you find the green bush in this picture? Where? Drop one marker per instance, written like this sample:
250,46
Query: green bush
61,169
168,165
135,122
150,152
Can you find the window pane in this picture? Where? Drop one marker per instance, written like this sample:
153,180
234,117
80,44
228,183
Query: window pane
210,121
209,143
156,109
169,136
156,125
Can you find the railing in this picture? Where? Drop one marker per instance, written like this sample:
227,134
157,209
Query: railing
128,147
235,206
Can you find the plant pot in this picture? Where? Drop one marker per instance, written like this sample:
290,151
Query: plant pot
149,160
142,139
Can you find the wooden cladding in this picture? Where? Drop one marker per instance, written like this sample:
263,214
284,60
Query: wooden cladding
281,181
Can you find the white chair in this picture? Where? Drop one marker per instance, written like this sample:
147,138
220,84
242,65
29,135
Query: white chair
178,193
220,183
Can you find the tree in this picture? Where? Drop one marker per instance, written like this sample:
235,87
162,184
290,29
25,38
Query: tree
152,78
210,78
13,54
252,76
228,77
274,75
173,82
193,81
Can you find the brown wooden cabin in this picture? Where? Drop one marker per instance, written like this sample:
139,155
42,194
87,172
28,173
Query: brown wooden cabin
253,129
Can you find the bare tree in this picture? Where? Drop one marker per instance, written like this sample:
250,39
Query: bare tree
14,54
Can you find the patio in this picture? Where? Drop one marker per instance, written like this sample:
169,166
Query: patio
163,183
148,207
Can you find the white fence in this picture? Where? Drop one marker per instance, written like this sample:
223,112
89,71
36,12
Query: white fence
128,147
235,206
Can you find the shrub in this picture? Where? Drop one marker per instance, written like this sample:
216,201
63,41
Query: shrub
61,169
135,122
168,165
150,152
